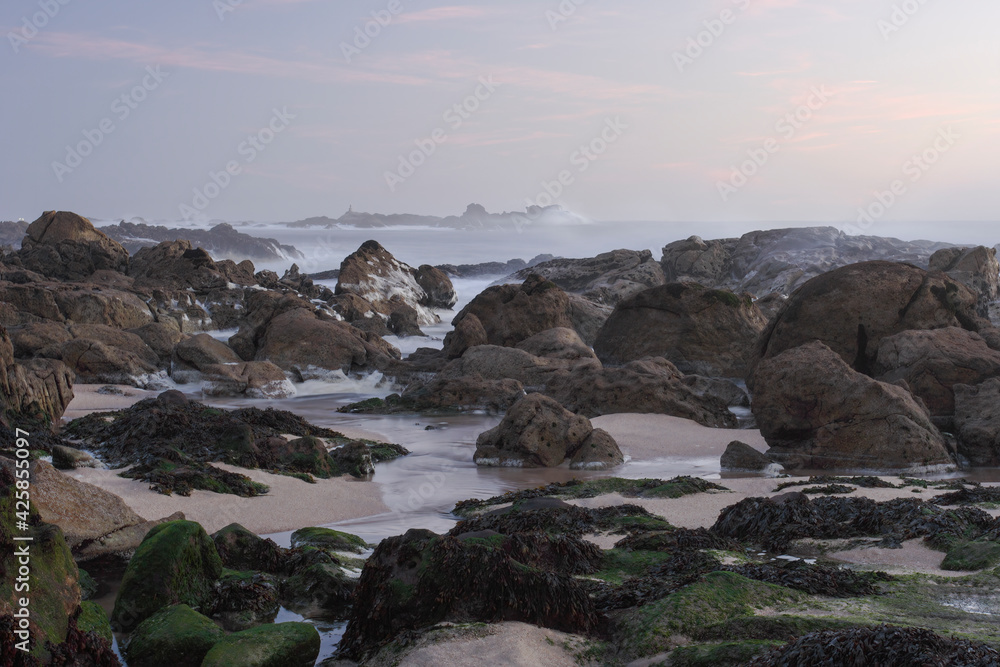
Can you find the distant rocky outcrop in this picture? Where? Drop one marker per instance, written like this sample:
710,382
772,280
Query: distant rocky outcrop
476,217
376,276
222,240
12,233
66,246
537,432
704,331
815,411
488,269
607,278
780,260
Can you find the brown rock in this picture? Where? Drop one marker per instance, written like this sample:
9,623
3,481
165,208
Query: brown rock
160,337
42,339
67,246
468,332
38,389
176,265
817,412
647,386
438,287
511,313
559,343
933,362
851,309
977,422
375,275
300,342
741,457
463,394
537,432
252,379
976,268
598,452
703,331
492,362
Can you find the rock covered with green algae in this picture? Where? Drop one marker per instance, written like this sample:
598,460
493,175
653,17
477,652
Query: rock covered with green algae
328,539
419,579
177,562
175,636
279,645
53,591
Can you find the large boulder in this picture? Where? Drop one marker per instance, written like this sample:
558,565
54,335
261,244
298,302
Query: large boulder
607,278
38,389
66,246
175,636
509,314
977,422
160,337
438,287
932,362
976,268
815,411
97,362
646,386
40,339
251,379
492,362
853,308
375,275
781,260
261,309
176,265
419,579
537,432
704,331
176,563
274,645
300,342
558,343
85,513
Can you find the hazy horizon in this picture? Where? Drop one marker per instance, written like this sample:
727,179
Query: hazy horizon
759,113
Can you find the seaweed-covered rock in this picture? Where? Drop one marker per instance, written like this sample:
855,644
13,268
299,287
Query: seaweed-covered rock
278,645
243,601
321,590
418,579
175,635
815,411
883,645
176,563
538,432
972,555
241,549
328,539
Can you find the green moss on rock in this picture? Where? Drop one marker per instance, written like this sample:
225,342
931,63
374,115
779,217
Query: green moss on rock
93,618
725,654
177,562
175,636
971,556
328,539
280,645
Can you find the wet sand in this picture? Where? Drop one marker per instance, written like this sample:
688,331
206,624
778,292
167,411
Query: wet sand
647,437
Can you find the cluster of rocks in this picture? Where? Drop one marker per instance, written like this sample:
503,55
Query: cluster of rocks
222,240
76,303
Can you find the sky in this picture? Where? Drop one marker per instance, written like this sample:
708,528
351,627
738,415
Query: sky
854,112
